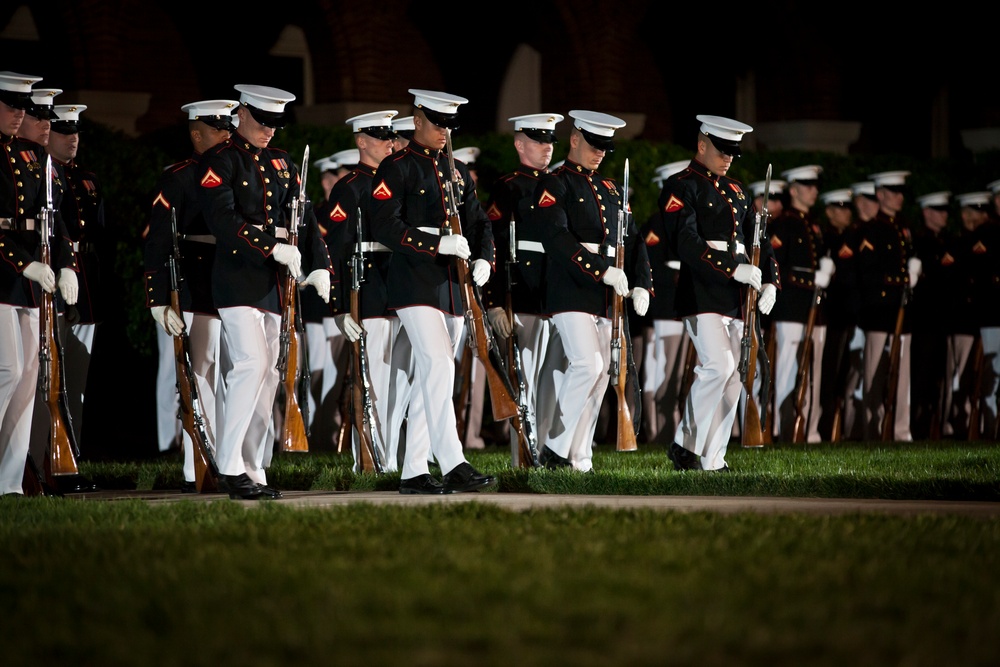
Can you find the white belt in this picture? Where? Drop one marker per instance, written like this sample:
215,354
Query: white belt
279,232
804,269
431,230
533,246
373,246
674,264
199,238
8,223
722,245
85,246
596,247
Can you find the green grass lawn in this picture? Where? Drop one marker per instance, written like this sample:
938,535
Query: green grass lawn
189,583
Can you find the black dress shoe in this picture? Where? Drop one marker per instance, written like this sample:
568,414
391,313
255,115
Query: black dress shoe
421,484
189,487
241,487
269,492
464,477
684,459
551,460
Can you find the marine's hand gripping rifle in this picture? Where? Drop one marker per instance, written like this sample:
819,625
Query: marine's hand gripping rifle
750,345
479,334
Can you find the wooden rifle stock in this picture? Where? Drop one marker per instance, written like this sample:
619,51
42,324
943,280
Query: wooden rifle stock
837,424
803,376
767,393
463,395
294,437
752,432
892,375
975,395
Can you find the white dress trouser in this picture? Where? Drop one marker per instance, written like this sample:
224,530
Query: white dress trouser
319,351
18,380
788,346
243,442
955,401
334,368
991,378
586,342
710,410
663,372
433,336
533,335
78,344
168,425
876,356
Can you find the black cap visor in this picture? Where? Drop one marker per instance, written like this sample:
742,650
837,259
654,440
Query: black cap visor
41,112
541,136
597,141
219,121
379,132
448,120
66,127
808,181
727,146
839,204
16,100
272,119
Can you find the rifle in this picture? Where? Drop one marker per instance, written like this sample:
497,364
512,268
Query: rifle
525,455
975,393
753,434
620,338
363,415
293,437
62,452
479,333
803,378
892,376
206,471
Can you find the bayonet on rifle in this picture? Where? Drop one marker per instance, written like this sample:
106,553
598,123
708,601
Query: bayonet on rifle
628,426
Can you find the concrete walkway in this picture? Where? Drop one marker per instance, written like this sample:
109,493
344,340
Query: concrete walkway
530,501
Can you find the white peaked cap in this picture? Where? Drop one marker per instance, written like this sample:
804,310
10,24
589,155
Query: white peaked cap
841,197
777,187
211,108
264,97
536,121
809,172
885,178
934,199
347,158
975,199
371,120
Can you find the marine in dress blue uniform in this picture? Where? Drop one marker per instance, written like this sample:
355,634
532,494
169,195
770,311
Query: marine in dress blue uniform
984,260
709,217
805,267
82,210
247,189
887,268
667,346
521,277
178,192
576,212
349,206
410,206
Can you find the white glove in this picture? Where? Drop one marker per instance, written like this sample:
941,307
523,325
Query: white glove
290,256
640,300
41,274
674,264
913,267
454,244
826,265
498,318
168,320
352,330
768,295
69,286
616,278
822,279
481,270
748,274
320,279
